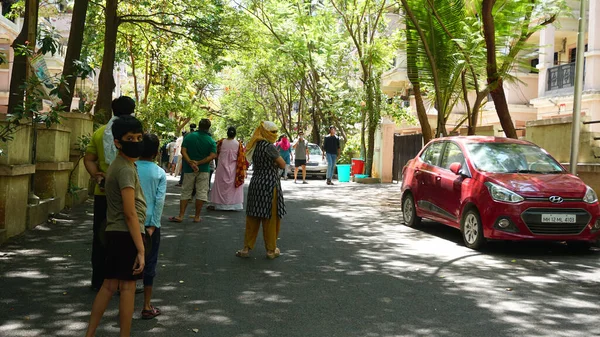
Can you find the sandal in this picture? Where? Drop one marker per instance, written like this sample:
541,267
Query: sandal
175,219
241,254
150,314
275,254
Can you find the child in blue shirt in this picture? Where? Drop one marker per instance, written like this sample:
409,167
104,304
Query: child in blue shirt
153,180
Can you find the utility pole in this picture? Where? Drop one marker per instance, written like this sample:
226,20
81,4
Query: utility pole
576,128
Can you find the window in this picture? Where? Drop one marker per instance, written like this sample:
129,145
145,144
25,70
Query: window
534,64
431,155
452,154
573,54
556,60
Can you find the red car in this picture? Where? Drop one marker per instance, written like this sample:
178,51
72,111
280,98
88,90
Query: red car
500,189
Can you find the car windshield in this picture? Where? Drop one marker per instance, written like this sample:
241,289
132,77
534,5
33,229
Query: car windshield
512,158
314,150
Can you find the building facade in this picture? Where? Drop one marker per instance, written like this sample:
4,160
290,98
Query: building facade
543,90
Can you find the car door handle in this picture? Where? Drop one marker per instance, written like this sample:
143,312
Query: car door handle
438,178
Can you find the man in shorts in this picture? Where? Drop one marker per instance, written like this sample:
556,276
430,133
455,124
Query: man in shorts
198,150
301,156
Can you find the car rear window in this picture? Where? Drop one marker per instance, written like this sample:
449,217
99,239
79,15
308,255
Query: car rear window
314,150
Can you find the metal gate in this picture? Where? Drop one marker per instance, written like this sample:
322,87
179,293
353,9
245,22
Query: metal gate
406,147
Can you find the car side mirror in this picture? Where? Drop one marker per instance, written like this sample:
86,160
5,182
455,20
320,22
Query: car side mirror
456,168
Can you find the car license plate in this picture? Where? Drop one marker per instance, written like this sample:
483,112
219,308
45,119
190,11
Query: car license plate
559,218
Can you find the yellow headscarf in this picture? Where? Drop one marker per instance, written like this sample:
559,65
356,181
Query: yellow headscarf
266,131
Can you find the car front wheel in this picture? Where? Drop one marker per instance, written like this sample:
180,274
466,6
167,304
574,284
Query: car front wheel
409,212
472,230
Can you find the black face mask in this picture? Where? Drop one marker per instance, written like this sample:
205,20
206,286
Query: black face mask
132,149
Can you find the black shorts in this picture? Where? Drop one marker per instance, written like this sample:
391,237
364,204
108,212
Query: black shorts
299,162
120,256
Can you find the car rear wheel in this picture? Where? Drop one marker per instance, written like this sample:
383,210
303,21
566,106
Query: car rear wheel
472,230
409,212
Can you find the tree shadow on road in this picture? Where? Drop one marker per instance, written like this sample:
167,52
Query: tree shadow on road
349,268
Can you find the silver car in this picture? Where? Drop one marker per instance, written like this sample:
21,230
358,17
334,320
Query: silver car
315,166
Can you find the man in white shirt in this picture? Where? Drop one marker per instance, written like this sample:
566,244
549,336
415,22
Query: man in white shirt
172,160
178,144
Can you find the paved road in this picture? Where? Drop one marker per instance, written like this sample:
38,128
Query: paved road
348,269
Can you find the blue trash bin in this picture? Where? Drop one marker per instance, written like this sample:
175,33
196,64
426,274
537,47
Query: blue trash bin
343,171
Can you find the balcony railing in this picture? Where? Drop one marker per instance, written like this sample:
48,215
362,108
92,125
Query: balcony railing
562,76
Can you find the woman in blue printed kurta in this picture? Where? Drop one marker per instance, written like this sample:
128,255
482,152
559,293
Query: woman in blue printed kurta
265,202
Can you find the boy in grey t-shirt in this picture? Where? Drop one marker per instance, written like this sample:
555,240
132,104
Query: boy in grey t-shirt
301,156
125,251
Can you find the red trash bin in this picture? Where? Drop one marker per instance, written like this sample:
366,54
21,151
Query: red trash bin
358,166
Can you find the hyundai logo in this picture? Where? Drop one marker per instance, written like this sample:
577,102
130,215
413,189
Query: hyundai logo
556,199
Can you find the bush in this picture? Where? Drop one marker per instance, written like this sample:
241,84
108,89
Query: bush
350,150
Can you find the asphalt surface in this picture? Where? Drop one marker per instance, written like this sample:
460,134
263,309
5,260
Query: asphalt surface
348,268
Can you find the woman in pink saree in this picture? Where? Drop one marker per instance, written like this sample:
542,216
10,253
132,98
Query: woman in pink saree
227,193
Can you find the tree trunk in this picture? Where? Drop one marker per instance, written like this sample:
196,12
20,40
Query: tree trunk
147,76
65,92
135,82
422,114
440,130
19,70
371,124
290,125
363,127
182,122
413,76
474,117
316,108
316,135
465,91
106,81
501,105
300,107
494,80
374,120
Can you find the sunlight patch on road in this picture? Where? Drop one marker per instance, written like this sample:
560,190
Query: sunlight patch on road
272,273
34,274
29,252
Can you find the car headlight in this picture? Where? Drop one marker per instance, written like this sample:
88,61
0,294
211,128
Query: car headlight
500,193
590,196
